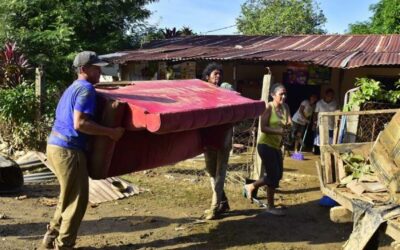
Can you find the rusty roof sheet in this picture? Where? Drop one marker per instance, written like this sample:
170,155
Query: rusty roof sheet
104,190
337,51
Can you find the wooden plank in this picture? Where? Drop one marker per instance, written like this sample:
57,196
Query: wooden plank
340,169
335,164
336,130
338,197
393,229
323,129
346,147
383,164
365,112
258,171
328,168
320,175
324,140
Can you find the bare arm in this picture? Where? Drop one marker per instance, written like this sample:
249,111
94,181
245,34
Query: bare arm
289,117
84,124
301,110
265,128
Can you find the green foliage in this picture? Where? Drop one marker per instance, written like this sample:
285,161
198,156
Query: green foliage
187,31
280,17
355,166
17,118
19,126
385,19
371,90
393,96
18,104
360,28
52,32
154,33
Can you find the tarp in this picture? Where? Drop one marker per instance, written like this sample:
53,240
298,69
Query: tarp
166,122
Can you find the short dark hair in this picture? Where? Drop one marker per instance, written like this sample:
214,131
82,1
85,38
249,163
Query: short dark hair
210,68
275,88
329,91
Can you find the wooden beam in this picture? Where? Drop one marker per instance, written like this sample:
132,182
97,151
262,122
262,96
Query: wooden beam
365,112
324,140
342,148
258,171
39,91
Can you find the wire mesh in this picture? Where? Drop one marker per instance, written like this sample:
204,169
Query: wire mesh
369,126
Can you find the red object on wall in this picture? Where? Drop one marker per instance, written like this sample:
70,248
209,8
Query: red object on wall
165,121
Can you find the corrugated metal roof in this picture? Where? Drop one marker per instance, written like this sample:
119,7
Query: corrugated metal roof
337,51
104,190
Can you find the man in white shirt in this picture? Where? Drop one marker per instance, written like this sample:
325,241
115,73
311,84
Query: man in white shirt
301,119
326,104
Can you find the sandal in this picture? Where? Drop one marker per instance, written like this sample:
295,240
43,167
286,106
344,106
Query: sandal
247,194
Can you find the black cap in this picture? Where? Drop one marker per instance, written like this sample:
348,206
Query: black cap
86,58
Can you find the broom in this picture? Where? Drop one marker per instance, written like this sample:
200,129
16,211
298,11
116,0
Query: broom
298,155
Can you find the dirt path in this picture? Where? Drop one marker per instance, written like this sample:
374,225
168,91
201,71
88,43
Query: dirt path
167,216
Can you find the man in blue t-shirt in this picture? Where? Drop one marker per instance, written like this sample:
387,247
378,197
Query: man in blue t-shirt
66,147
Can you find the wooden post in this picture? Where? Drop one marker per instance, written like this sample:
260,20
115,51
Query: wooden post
258,171
324,140
39,91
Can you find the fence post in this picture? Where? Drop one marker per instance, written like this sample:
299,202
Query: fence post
326,160
258,171
39,91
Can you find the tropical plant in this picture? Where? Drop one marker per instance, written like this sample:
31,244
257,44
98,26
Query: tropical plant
51,32
186,31
170,33
372,90
154,33
13,66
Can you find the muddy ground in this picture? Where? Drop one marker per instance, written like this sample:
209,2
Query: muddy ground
167,216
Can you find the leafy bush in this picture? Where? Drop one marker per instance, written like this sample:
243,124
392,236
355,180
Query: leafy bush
18,123
372,90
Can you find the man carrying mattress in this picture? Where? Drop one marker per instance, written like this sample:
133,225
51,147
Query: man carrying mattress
66,147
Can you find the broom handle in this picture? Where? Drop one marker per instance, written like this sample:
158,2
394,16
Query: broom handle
305,132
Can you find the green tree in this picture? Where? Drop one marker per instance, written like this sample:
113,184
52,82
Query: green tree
51,32
154,33
385,19
280,17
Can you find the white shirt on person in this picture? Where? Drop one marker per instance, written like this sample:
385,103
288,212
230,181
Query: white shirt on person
307,111
323,106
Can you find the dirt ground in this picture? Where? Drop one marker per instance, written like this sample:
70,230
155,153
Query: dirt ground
167,216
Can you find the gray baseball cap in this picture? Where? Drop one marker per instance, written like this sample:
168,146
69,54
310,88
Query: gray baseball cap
86,58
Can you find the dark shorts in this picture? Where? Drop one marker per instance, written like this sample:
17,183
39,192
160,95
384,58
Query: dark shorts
272,162
296,130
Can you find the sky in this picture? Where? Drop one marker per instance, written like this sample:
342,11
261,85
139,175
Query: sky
203,16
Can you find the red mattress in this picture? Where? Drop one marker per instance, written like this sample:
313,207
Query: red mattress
166,122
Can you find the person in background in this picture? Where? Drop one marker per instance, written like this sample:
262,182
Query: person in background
66,150
275,124
326,104
301,120
217,146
